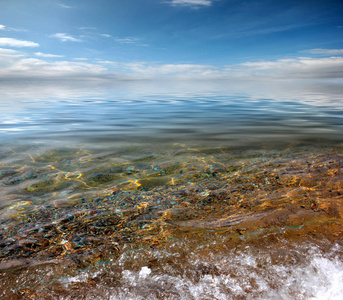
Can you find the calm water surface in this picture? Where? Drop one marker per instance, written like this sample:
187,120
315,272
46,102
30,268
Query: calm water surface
171,191
197,112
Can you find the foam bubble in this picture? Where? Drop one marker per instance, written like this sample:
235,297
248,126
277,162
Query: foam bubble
144,272
243,276
289,273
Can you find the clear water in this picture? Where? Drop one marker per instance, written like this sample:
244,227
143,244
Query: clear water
171,190
240,113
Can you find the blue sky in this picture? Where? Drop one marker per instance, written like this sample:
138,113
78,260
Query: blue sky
135,39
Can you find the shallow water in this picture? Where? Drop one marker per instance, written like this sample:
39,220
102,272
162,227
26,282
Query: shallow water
171,192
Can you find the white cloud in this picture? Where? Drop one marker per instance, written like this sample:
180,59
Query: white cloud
294,68
5,28
87,28
325,51
92,33
17,65
40,54
65,37
178,70
107,62
16,43
63,5
128,40
8,57
32,68
192,2
9,53
301,67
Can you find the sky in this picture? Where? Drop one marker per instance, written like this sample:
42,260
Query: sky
170,39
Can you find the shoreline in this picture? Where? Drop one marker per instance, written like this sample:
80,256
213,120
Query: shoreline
204,202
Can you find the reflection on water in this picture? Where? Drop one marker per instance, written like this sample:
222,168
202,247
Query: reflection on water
192,194
201,112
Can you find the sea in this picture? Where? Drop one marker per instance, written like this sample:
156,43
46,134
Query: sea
171,189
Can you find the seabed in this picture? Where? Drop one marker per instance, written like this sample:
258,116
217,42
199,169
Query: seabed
175,222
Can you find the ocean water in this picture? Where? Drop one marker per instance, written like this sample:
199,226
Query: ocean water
235,113
171,190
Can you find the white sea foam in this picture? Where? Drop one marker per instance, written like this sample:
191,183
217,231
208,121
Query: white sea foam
144,272
243,277
295,274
